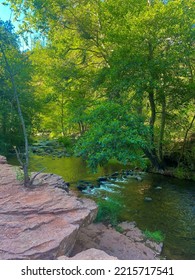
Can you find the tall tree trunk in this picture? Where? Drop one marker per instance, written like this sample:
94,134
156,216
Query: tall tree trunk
151,96
153,115
25,163
152,156
151,152
162,128
62,115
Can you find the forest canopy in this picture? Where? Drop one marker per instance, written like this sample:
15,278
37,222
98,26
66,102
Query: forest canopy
116,75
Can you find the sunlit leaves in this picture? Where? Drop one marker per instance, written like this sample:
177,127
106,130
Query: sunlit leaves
113,133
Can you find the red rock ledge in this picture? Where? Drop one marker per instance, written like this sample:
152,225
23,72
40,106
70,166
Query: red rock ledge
39,223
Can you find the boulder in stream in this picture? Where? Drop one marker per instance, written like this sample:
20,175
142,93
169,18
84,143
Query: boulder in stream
147,199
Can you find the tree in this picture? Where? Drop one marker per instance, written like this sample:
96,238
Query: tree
149,64
136,54
65,71
114,133
9,45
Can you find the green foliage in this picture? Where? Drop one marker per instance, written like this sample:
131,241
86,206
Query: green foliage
113,133
157,236
108,212
10,125
179,172
19,174
182,172
120,70
65,141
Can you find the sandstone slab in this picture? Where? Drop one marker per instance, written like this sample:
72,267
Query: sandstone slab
114,243
90,254
39,223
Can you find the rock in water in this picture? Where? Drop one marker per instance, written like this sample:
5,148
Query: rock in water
138,178
147,199
102,179
39,223
158,188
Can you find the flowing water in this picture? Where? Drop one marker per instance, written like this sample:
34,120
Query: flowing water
171,210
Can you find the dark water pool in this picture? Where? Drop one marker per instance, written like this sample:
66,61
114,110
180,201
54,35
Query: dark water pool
172,209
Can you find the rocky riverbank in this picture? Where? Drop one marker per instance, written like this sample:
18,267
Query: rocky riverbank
131,244
39,223
50,222
53,148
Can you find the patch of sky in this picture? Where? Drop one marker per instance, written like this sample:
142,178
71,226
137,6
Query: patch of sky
6,14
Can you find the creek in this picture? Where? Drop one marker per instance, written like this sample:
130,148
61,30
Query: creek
170,209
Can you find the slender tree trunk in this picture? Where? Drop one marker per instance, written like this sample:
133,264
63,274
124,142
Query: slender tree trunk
79,123
151,152
151,96
24,164
153,114
81,127
62,115
162,128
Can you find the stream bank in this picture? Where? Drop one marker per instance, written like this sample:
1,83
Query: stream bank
171,210
40,222
46,221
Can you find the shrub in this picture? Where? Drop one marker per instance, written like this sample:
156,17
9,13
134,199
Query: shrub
108,212
19,174
157,236
65,141
119,229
